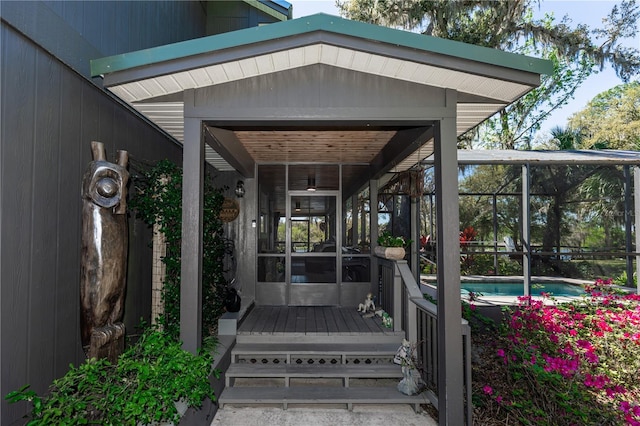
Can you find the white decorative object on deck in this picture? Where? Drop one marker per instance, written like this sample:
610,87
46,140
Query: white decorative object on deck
368,304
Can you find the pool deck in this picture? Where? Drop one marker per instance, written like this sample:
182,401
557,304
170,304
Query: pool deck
428,278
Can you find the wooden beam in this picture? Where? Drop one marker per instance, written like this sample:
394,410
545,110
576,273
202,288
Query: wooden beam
226,143
403,143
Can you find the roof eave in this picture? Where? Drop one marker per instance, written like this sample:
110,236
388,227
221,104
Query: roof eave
318,22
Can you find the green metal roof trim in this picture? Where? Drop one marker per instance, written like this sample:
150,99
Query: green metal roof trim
318,22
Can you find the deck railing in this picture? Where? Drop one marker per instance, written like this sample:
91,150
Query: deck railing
401,297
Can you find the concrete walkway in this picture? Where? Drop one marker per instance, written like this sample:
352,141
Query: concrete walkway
362,415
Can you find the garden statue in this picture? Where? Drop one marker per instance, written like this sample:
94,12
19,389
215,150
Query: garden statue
368,304
411,383
104,254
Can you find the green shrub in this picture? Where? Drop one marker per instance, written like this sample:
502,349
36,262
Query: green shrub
142,388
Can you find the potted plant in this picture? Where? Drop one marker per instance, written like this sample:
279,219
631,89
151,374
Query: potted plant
390,247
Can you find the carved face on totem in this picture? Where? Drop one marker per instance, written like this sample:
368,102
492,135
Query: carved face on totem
107,186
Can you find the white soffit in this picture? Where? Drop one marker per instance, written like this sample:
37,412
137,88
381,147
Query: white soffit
483,86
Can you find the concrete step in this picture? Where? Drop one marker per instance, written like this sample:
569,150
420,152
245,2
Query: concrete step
319,395
314,371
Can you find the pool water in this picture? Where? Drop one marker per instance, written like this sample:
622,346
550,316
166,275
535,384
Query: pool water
516,289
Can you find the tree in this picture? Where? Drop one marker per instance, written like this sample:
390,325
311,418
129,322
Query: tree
509,25
611,119
603,203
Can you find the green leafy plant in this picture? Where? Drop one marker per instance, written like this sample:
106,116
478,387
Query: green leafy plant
386,239
429,268
157,199
142,387
622,279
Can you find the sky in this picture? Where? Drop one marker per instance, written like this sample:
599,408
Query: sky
588,12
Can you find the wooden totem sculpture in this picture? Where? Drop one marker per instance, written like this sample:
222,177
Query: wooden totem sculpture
104,254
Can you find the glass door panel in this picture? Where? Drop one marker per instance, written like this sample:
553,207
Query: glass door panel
313,278
272,261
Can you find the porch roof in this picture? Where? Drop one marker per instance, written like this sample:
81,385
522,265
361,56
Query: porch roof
153,80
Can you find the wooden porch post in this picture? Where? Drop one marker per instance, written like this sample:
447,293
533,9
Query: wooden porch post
192,208
450,356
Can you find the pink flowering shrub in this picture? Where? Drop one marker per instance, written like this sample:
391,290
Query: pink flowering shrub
567,364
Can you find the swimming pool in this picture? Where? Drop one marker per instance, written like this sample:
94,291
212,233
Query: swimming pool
516,288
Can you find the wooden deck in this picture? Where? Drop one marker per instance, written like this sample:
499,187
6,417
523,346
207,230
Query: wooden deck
311,321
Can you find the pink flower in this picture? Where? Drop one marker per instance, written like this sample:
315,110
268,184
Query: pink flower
625,406
500,353
584,344
487,389
613,390
591,357
631,421
597,382
499,399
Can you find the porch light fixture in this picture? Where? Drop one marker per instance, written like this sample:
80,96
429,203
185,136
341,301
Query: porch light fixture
240,189
311,184
297,206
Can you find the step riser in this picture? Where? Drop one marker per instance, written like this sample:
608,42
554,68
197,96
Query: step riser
312,360
307,338
320,381
315,349
317,373
316,395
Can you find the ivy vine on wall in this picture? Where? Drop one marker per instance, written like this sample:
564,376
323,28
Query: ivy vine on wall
157,199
